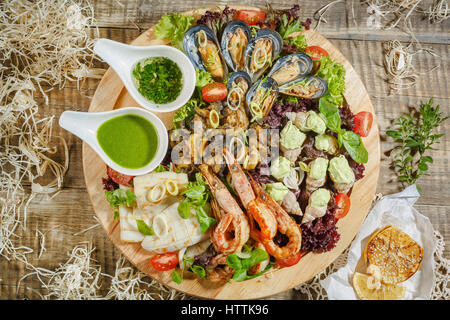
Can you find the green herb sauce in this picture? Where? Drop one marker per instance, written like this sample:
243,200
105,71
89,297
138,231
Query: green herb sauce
158,79
131,141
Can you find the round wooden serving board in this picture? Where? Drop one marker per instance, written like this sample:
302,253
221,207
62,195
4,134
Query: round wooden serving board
111,94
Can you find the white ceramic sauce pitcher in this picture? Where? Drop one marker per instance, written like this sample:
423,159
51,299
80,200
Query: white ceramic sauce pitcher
123,58
85,124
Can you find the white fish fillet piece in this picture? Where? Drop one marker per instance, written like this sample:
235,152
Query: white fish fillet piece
144,183
180,233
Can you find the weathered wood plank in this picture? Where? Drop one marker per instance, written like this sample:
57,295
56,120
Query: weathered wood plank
340,23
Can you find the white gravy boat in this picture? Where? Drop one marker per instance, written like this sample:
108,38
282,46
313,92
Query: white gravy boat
85,124
123,58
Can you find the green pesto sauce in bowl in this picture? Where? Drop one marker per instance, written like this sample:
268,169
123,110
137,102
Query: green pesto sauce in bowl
158,79
130,140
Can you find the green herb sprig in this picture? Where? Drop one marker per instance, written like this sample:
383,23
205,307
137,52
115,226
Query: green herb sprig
415,135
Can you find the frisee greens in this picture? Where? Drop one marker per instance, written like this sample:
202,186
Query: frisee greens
415,136
172,27
352,141
120,197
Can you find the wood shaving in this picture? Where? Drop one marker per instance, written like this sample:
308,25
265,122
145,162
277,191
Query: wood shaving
77,279
438,11
44,43
398,62
128,284
80,278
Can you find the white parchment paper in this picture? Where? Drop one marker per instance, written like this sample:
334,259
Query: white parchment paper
396,209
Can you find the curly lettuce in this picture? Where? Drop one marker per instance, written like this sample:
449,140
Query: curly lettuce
334,73
172,27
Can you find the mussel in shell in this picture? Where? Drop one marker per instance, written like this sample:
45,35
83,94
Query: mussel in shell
291,67
309,87
261,51
235,38
261,97
235,114
202,48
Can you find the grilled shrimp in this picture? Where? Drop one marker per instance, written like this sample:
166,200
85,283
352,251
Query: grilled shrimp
254,200
288,227
232,231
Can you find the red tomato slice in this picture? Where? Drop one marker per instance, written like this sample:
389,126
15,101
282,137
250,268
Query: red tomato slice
363,123
215,91
343,204
290,261
316,52
118,177
165,261
251,17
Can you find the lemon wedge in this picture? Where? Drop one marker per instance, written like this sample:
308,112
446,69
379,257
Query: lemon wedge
382,292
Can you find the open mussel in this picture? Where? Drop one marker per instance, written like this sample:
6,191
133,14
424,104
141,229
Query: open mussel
291,67
202,48
235,38
235,114
309,87
261,51
261,97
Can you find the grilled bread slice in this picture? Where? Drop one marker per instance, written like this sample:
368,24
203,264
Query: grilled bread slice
395,253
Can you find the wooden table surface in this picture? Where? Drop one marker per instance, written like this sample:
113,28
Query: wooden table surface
71,212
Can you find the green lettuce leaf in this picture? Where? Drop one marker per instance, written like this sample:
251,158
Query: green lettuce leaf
172,27
334,73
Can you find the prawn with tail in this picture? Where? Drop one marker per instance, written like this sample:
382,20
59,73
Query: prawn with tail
232,231
265,212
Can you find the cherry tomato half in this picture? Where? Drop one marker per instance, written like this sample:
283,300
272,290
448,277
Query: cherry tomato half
316,53
118,177
363,123
215,91
251,17
290,261
165,261
343,204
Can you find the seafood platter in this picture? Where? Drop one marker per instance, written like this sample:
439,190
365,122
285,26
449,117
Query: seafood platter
268,168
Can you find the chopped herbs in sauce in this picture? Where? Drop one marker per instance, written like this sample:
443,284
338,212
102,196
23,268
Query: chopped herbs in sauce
158,79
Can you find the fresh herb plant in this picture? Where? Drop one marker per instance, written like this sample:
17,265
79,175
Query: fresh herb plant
415,136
